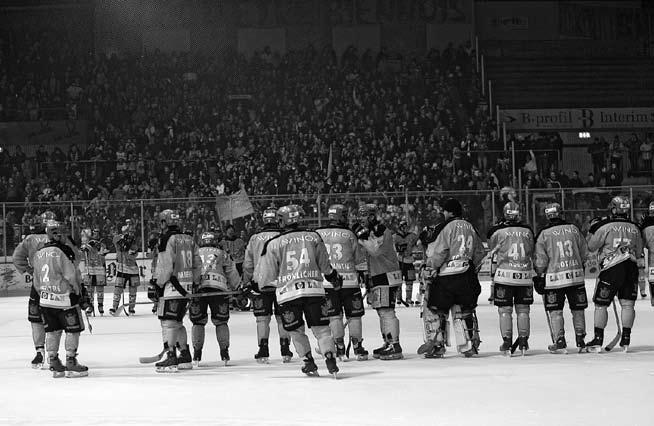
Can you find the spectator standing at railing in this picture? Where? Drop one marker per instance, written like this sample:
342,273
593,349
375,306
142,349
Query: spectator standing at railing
597,151
646,155
633,145
575,181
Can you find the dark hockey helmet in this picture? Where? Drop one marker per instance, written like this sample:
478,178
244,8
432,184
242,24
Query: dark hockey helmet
620,206
170,218
269,216
210,239
288,216
453,206
553,211
54,230
650,209
511,212
337,213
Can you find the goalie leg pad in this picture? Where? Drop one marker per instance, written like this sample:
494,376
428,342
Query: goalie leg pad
466,329
628,313
579,322
601,316
557,323
263,326
506,320
390,324
300,341
52,340
197,336
324,337
522,312
337,327
222,335
38,334
355,327
71,343
431,323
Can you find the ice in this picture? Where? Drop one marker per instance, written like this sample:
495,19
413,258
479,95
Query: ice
541,388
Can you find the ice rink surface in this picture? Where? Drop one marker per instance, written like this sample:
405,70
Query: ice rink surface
538,389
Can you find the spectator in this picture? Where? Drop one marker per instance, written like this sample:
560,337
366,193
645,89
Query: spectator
646,155
633,145
597,151
575,181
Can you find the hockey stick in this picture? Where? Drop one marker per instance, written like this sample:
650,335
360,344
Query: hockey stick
618,335
346,323
88,322
121,307
151,359
188,296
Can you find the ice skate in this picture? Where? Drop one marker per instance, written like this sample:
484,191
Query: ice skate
90,310
100,309
263,354
285,346
505,348
359,350
340,349
38,360
377,352
426,347
643,294
469,353
595,345
197,357
310,368
330,361
559,347
75,369
132,311
224,356
168,364
184,362
392,352
625,340
437,351
112,312
581,345
523,345
57,368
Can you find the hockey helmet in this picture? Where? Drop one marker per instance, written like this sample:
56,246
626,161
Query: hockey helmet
511,212
453,206
367,212
95,233
170,217
210,239
620,206
288,216
85,235
553,211
650,210
269,216
337,213
403,225
47,216
54,230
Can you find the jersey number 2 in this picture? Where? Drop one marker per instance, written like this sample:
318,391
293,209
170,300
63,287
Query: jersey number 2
45,274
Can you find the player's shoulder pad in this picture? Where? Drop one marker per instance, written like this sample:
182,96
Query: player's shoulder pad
608,221
163,240
495,228
68,251
430,233
552,225
647,222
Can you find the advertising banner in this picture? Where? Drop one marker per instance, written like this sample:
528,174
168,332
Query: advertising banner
578,118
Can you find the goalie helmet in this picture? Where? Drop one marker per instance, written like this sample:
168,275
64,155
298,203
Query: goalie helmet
170,218
337,213
210,239
270,216
511,212
553,211
620,206
54,230
288,216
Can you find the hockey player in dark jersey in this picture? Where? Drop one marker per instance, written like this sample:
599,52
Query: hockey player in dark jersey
618,243
512,244
405,241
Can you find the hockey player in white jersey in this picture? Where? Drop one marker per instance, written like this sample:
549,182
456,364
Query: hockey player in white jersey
347,257
647,230
512,244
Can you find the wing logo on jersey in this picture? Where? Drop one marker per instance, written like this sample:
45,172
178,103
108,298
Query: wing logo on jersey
500,292
258,303
223,308
551,298
289,317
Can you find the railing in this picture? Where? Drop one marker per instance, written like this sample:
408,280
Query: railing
483,208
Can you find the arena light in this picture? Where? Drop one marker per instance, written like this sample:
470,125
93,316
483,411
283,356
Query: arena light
584,135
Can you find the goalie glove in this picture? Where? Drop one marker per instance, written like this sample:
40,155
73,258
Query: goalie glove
539,284
335,279
153,290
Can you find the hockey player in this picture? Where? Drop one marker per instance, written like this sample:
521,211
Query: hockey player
405,242
559,259
23,258
94,267
647,229
347,257
218,275
512,243
296,261
61,297
618,243
385,278
235,247
456,253
264,300
127,271
178,267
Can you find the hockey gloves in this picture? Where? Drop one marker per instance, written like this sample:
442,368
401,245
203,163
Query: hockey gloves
84,300
250,288
361,231
153,290
335,279
539,285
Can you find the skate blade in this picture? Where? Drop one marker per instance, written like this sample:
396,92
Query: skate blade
313,374
335,375
523,352
582,350
75,374
507,353
362,357
196,363
262,361
37,367
226,362
559,351
391,357
624,349
185,366
594,349
169,369
58,374
286,359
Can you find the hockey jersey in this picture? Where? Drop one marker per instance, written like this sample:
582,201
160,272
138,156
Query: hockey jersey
235,247
456,248
24,253
345,254
253,252
382,258
404,245
647,230
126,251
615,241
55,275
561,252
512,244
295,261
218,270
178,256
94,257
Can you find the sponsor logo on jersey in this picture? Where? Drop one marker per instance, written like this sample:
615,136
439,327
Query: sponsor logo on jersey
551,298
